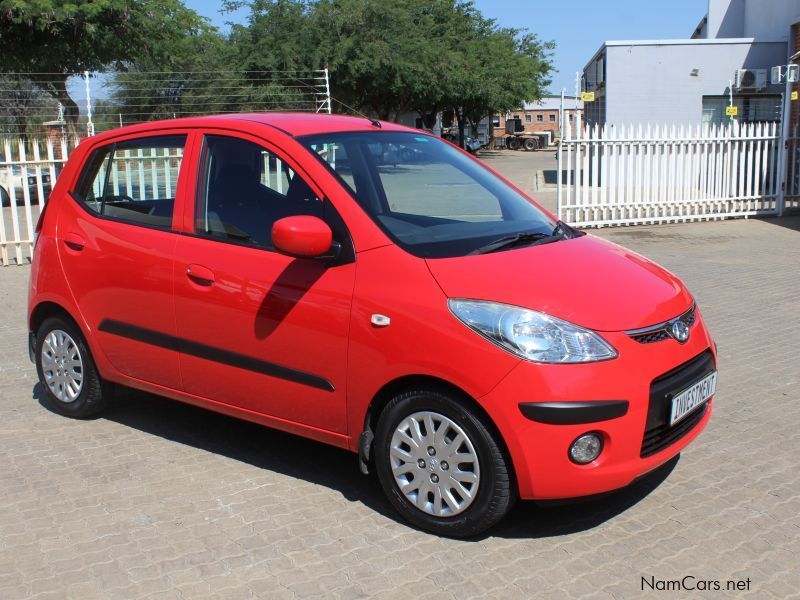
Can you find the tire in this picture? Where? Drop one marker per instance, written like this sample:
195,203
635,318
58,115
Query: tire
4,198
531,145
512,143
440,511
59,340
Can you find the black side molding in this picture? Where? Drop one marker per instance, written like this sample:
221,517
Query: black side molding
573,413
226,357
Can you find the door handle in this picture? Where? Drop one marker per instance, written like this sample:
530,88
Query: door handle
75,242
200,275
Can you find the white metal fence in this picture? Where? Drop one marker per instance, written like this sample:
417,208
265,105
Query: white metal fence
636,175
28,170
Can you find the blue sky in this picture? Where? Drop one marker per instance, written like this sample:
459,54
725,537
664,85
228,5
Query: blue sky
578,27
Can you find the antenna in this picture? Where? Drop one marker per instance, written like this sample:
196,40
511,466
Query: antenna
373,122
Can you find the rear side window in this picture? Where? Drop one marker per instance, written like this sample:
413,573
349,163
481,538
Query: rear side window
134,181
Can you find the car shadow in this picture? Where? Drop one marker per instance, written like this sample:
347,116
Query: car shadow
337,469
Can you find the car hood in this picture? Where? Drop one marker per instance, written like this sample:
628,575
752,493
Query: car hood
585,280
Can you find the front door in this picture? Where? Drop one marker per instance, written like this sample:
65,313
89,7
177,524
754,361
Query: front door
116,243
260,330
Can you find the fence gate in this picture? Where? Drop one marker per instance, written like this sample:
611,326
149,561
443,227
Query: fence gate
666,174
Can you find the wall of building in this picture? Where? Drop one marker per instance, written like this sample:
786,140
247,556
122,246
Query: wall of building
769,20
725,19
763,20
653,83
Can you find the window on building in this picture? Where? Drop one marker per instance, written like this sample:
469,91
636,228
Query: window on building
539,118
495,120
750,108
571,117
552,118
528,118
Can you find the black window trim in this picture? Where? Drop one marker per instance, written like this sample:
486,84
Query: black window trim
347,252
111,148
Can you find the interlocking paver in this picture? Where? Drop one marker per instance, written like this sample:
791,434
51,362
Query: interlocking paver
158,499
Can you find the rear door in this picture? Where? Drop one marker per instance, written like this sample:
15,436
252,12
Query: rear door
116,243
259,330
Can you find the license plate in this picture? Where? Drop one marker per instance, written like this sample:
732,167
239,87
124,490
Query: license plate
686,401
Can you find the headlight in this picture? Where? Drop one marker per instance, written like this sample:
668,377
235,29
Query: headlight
531,335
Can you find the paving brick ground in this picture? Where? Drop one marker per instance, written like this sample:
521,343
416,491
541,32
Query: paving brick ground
161,500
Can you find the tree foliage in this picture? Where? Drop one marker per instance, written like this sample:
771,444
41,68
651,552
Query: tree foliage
60,38
388,58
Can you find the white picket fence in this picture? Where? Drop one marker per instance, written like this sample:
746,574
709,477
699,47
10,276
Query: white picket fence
661,174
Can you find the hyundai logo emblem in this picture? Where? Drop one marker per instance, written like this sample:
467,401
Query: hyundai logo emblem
680,331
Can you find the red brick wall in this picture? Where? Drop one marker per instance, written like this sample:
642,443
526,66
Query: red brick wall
539,126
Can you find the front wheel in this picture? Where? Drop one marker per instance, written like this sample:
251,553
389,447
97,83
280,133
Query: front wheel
440,466
67,371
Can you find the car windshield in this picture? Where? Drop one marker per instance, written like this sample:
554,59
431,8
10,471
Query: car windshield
429,197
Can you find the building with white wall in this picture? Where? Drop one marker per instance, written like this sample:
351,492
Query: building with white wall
690,80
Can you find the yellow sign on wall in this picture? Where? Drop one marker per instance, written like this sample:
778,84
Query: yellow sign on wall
587,96
794,95
731,111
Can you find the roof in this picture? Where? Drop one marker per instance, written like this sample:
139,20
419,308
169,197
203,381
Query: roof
294,123
553,103
669,42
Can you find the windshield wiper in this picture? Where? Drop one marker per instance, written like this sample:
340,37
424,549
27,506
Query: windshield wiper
511,240
560,231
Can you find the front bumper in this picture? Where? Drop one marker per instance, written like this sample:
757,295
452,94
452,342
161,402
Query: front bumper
541,409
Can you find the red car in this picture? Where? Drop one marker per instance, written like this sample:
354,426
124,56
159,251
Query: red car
372,287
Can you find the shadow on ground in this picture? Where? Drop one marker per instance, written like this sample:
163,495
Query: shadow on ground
789,222
337,469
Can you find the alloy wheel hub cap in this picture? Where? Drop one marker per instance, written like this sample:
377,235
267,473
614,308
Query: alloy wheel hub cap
62,366
434,464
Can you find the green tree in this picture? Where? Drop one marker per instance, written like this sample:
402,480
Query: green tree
493,69
197,77
64,37
388,58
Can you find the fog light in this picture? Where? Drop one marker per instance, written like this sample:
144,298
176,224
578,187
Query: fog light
586,448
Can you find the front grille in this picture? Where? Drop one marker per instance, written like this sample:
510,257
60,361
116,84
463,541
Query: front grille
659,333
658,435
651,337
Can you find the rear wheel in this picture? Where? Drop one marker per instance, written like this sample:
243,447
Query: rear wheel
67,371
4,199
512,143
531,144
440,465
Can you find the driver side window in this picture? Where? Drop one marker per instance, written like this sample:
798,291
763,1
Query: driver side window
245,189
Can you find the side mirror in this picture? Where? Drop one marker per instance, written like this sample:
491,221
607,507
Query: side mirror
302,235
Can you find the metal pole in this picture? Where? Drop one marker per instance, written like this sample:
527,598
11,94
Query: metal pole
328,89
730,91
561,115
89,124
783,150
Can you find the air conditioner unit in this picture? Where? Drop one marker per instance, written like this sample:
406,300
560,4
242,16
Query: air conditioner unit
751,79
